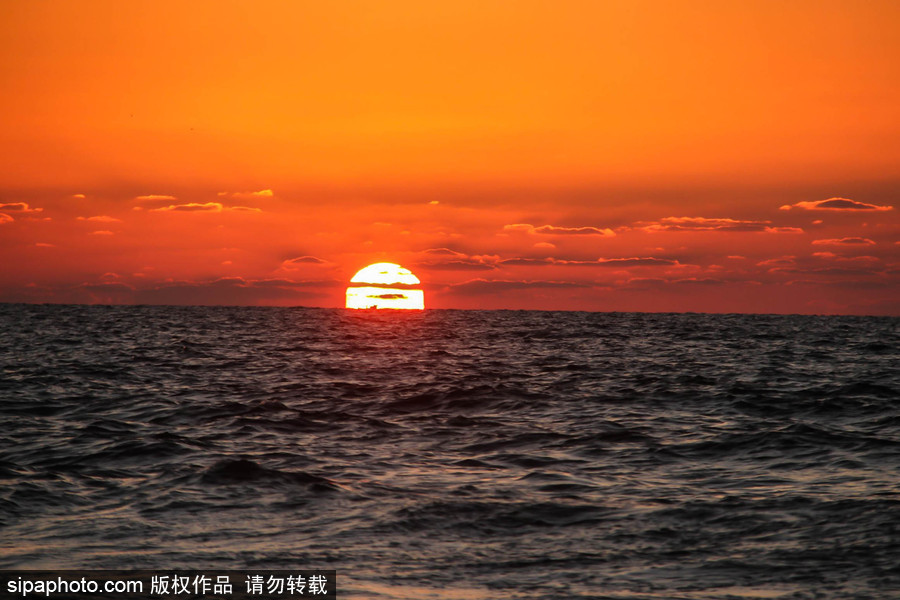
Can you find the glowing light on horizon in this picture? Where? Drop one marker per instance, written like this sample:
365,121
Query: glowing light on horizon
382,288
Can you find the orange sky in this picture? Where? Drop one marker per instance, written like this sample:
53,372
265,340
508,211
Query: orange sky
647,156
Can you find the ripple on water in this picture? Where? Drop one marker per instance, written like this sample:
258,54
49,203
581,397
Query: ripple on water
455,454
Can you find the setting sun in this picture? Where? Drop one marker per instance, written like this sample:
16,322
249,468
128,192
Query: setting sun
386,285
725,157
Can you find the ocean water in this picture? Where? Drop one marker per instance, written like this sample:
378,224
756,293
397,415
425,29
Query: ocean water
457,454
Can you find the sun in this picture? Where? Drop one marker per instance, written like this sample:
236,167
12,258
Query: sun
385,285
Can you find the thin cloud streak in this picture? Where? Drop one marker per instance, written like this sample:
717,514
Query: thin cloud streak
556,230
191,207
722,224
101,219
156,197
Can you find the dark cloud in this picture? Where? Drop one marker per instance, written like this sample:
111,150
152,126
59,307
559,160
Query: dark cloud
301,260
654,282
231,291
392,286
636,262
483,286
286,283
97,293
645,282
847,240
228,282
851,284
781,261
442,252
451,260
528,262
836,204
602,262
456,265
19,207
701,281
861,270
106,287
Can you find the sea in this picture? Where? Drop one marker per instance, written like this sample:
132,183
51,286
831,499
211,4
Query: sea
457,455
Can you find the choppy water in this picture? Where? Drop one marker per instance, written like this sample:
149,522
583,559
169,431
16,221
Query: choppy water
456,454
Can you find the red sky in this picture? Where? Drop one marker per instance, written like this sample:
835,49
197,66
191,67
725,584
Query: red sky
645,156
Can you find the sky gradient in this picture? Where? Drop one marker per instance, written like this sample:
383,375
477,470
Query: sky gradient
629,156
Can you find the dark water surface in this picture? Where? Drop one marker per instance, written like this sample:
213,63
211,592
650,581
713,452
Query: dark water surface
457,454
